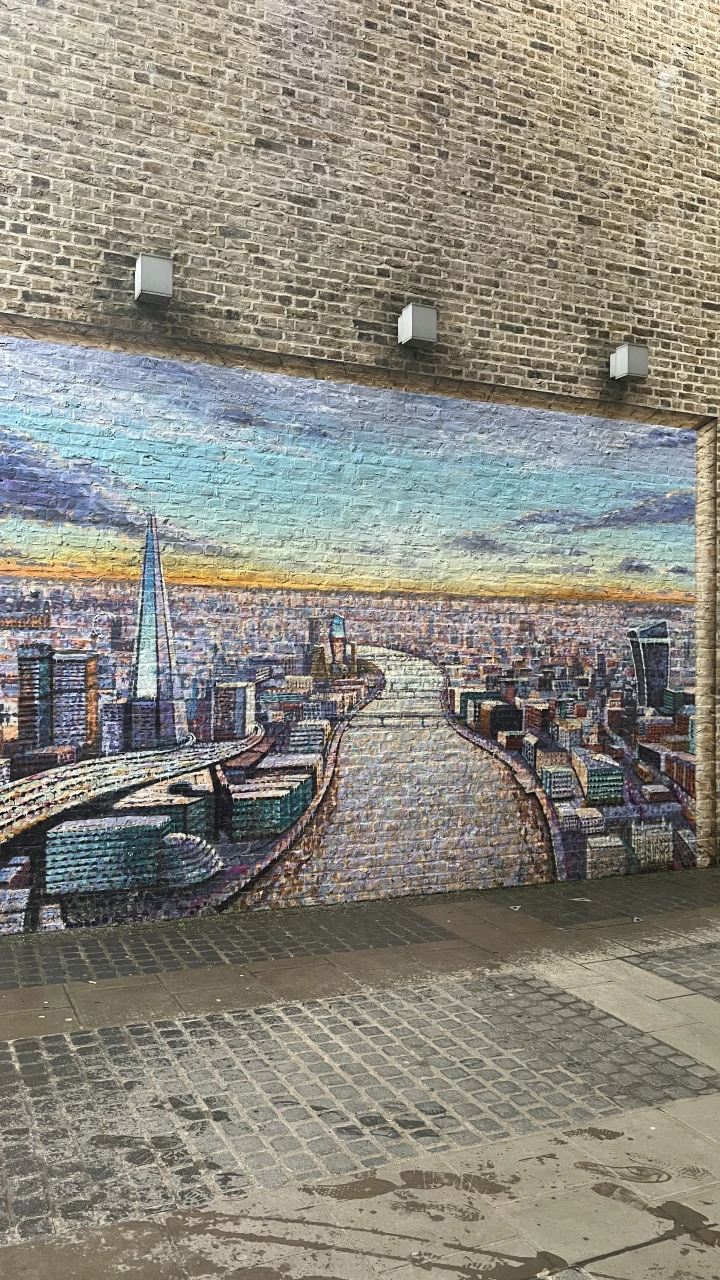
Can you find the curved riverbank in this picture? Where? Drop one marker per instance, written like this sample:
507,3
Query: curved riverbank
524,777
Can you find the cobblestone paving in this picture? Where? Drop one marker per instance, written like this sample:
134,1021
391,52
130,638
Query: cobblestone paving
697,968
244,938
102,1126
79,955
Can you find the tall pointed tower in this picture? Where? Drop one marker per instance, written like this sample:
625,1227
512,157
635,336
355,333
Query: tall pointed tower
158,717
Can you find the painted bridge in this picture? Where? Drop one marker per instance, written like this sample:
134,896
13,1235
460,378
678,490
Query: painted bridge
392,719
33,800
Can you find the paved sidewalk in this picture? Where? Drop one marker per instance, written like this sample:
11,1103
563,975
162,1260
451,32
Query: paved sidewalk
507,1084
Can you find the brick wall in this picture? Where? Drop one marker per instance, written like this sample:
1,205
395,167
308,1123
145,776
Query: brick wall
546,173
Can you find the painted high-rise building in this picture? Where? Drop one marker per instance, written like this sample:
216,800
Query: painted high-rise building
314,641
650,646
35,695
318,663
113,724
158,717
76,712
233,709
337,642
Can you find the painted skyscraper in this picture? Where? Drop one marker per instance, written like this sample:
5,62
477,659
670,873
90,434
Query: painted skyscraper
158,717
337,641
35,694
650,646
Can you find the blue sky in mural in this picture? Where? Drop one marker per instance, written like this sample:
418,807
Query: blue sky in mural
259,478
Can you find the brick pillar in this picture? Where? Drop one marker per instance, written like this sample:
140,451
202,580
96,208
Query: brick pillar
708,664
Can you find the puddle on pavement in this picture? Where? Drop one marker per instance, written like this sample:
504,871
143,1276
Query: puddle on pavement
482,1184
365,1188
540,1158
369,1186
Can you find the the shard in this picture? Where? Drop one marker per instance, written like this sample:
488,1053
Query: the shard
158,717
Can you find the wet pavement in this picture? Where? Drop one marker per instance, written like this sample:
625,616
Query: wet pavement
83,954
481,1086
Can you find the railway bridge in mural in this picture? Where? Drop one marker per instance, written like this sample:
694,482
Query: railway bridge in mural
32,801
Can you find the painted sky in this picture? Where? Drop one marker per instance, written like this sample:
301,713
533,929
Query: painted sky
266,480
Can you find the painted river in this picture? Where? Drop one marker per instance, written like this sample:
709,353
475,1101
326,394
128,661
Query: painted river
413,807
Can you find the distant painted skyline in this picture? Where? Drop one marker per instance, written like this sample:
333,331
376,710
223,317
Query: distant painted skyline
269,480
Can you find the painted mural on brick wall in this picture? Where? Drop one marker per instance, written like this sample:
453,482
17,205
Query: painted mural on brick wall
266,641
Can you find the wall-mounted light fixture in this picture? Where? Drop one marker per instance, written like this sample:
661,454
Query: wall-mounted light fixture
629,361
417,326
153,279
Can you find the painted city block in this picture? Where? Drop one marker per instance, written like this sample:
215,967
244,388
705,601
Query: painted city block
268,641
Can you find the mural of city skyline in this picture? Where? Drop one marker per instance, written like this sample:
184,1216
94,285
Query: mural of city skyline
291,482
267,641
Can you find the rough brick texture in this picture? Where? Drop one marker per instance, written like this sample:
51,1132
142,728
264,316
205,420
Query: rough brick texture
546,173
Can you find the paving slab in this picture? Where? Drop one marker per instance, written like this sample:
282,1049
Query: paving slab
131,982
227,1239
39,999
573,1273
559,969
641,981
218,976
106,1007
639,936
684,923
651,1151
229,987
589,925
696,1039
506,918
604,1217
201,1002
406,964
267,1237
696,1008
639,1010
454,959
701,1114
387,979
303,980
37,1022
688,1236
496,938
